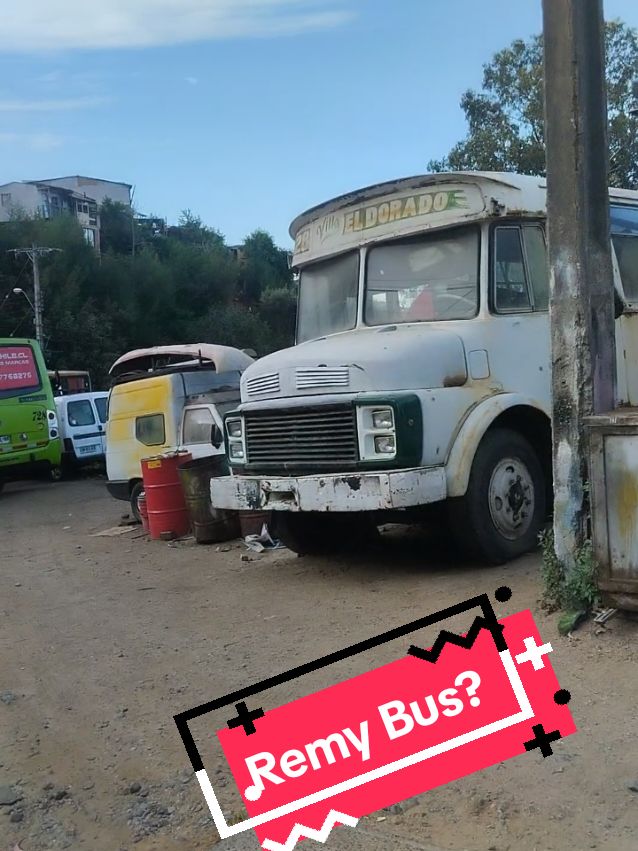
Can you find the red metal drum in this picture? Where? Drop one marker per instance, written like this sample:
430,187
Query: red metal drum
165,503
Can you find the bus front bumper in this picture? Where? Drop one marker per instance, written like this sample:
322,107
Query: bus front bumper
363,491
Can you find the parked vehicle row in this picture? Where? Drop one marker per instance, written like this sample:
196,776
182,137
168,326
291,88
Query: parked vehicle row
161,399
421,375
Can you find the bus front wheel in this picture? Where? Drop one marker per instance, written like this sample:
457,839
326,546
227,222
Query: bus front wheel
503,511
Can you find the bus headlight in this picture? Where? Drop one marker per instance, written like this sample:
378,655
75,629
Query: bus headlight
376,429
383,419
385,445
235,428
235,439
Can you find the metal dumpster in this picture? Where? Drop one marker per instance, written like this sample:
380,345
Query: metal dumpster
613,472
210,525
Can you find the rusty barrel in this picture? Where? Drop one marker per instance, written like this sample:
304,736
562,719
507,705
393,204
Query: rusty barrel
165,502
210,525
143,510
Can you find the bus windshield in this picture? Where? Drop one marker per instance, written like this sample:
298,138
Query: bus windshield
19,372
328,297
430,278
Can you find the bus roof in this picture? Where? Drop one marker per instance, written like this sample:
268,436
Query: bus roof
533,190
221,358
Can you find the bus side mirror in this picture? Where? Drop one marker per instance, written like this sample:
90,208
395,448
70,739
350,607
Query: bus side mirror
216,436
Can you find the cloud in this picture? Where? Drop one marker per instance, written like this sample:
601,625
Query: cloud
50,25
192,81
34,141
61,105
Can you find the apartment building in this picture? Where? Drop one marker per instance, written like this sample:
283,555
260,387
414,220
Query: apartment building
77,196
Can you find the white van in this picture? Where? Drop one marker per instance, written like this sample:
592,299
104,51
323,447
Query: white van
82,420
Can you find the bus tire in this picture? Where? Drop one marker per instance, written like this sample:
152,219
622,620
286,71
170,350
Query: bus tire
502,513
136,490
56,473
323,533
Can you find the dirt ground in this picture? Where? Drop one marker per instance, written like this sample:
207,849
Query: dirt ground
104,639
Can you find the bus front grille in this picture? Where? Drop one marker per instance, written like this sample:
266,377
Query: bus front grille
304,438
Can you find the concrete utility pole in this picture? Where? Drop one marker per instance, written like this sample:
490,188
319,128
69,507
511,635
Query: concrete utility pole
582,301
34,253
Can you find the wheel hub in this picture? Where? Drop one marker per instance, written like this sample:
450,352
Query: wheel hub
511,498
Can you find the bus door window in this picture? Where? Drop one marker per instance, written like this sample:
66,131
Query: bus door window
521,278
536,254
511,292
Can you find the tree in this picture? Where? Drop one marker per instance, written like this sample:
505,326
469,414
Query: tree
191,230
263,266
186,286
505,120
278,309
116,227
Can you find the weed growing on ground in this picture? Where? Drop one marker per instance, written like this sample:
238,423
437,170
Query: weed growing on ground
579,591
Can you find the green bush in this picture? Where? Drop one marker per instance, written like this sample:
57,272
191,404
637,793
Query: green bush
579,591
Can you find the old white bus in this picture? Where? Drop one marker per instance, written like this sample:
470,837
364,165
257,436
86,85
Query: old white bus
421,372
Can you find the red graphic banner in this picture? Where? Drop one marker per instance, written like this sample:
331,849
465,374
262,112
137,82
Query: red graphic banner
18,370
395,732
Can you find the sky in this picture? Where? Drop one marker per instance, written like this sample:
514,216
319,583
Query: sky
246,112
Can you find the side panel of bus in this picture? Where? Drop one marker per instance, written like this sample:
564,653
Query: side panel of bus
29,435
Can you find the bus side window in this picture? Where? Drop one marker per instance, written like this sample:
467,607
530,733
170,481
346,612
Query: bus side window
150,430
511,291
626,248
624,235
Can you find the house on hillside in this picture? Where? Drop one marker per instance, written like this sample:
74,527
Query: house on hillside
94,187
77,196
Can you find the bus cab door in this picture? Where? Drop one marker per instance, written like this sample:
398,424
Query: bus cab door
201,431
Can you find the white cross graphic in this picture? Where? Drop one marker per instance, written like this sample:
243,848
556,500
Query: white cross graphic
533,653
